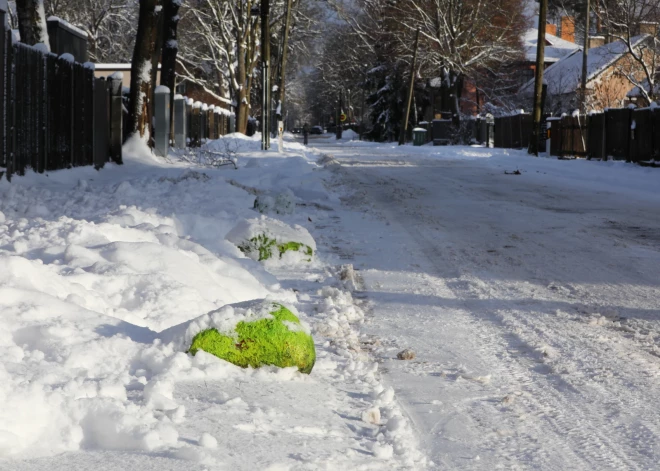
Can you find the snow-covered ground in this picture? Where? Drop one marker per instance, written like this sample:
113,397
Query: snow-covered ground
94,265
530,302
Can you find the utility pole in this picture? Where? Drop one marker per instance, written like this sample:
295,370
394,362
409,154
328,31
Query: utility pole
585,52
538,80
285,50
364,88
411,87
339,111
265,77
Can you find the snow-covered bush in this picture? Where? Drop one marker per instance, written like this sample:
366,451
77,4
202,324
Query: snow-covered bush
265,238
282,203
251,334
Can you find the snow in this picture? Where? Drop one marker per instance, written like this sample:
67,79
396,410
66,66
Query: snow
117,76
68,57
104,274
162,89
530,303
41,47
555,47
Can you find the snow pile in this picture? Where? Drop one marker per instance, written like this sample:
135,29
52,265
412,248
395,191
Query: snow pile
280,203
349,135
94,266
236,141
271,240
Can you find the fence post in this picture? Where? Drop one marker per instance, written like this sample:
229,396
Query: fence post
162,118
195,125
116,115
180,122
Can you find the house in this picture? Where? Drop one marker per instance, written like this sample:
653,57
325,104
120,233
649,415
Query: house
607,85
556,48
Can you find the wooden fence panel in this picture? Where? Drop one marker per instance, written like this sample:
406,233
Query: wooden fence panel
60,113
516,132
574,136
641,135
5,39
101,122
617,129
596,136
211,121
655,134
30,109
83,117
555,136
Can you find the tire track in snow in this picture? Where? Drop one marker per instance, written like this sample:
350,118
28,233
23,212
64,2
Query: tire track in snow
593,436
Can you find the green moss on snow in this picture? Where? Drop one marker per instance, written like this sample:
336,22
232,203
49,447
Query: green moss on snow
265,246
262,342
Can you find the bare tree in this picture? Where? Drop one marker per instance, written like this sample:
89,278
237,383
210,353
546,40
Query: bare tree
219,50
461,37
628,21
110,25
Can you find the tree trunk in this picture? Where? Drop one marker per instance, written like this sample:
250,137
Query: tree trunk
170,50
155,60
242,99
32,22
285,50
141,85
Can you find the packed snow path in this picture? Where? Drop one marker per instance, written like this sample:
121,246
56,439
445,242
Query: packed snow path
531,301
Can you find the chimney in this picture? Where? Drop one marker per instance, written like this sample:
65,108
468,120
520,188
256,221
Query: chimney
596,41
568,28
647,27
551,29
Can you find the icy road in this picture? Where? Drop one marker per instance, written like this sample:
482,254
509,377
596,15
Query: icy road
531,301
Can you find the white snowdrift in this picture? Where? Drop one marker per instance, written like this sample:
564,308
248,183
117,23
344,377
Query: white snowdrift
261,239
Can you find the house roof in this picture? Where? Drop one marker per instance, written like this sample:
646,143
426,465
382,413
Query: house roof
564,76
555,47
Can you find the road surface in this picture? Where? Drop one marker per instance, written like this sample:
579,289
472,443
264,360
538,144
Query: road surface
531,302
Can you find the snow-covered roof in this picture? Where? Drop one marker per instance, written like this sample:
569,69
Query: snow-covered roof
555,47
564,76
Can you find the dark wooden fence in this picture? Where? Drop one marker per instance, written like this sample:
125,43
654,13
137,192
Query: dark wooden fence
568,136
205,122
513,132
620,134
54,112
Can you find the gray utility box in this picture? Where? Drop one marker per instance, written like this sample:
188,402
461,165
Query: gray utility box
441,132
162,115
